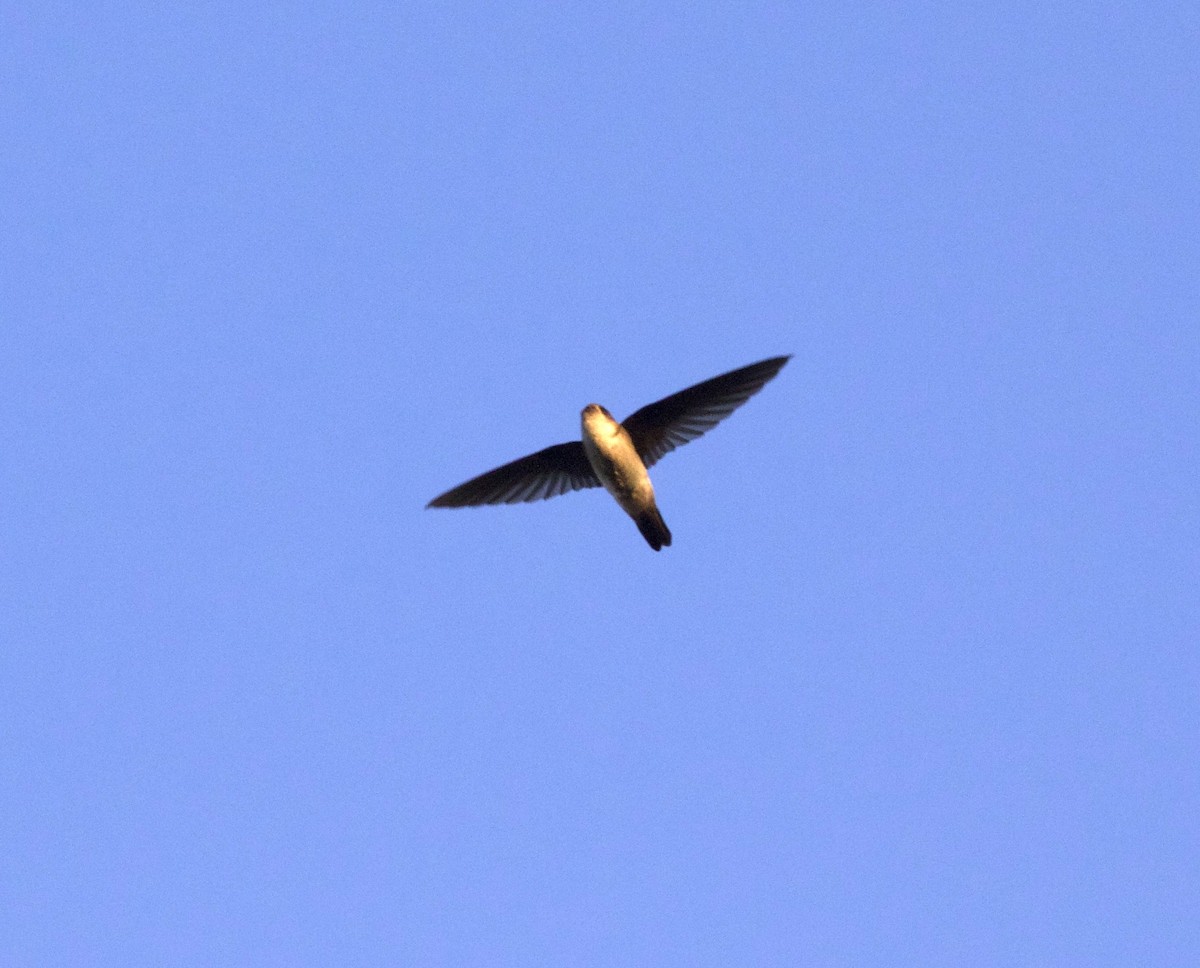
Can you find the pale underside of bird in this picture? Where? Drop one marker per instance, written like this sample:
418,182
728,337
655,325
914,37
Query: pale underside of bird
617,455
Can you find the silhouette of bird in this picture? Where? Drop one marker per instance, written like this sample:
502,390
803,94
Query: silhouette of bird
617,455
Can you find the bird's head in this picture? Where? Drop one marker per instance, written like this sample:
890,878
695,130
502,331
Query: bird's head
596,417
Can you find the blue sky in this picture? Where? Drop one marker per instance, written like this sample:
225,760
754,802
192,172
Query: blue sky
917,682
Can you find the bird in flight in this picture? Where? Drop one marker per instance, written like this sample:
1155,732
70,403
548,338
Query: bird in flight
616,455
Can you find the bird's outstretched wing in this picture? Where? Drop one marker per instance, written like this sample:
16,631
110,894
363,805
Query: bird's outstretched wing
660,427
555,470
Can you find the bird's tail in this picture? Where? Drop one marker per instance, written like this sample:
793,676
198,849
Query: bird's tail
654,529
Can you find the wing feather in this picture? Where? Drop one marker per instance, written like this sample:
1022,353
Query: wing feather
548,473
659,428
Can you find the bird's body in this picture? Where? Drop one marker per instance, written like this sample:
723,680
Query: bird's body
616,455
619,467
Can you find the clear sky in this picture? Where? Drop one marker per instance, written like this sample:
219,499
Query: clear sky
918,681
